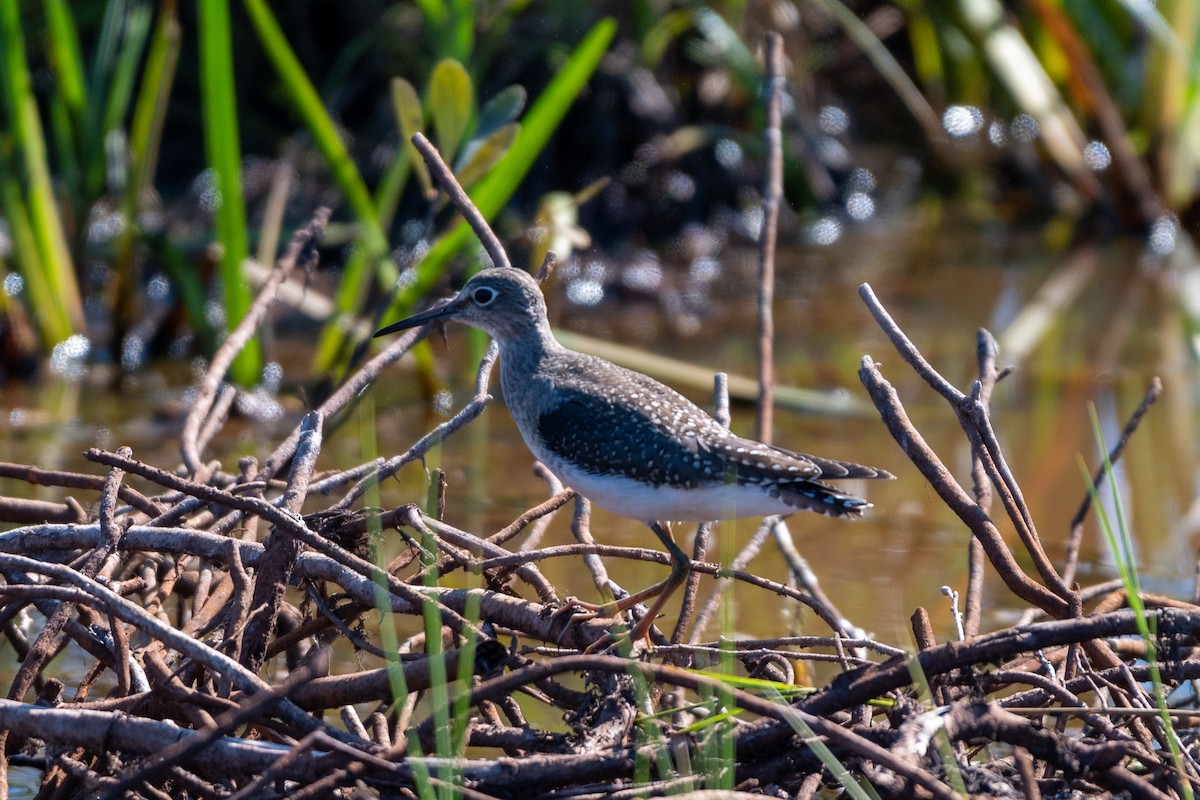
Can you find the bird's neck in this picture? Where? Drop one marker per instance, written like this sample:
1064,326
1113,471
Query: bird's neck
521,353
523,365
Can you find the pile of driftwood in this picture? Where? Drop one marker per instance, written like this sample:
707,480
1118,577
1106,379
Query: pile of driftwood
189,599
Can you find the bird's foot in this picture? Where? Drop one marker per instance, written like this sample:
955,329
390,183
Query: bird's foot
576,609
620,640
625,642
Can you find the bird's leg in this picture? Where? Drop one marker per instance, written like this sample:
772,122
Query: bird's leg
680,566
664,588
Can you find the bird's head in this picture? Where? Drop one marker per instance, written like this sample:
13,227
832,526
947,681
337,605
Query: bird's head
505,302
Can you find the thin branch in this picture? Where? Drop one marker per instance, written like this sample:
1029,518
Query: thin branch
458,196
772,199
301,252
1071,559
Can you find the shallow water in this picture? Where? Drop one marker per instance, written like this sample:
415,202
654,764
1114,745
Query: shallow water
940,284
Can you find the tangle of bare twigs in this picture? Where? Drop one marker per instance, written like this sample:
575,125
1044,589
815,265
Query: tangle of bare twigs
183,618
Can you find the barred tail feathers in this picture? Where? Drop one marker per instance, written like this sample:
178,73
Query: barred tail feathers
822,498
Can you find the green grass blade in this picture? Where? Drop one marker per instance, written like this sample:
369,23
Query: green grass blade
1120,543
64,313
69,101
25,250
888,67
104,59
150,109
66,58
133,42
224,157
145,136
388,641
821,750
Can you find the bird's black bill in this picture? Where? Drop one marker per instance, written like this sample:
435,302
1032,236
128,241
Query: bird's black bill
415,320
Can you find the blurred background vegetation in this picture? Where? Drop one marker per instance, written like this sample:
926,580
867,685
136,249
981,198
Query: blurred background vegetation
152,152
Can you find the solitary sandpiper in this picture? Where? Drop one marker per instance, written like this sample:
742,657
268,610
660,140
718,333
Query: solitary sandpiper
627,442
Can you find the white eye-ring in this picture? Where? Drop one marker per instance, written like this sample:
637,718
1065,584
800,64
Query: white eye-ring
484,295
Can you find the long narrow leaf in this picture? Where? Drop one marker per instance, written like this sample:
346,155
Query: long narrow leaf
1120,543
65,57
224,157
120,93
68,102
410,118
149,115
64,314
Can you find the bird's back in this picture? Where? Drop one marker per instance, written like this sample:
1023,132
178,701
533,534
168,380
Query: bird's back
642,450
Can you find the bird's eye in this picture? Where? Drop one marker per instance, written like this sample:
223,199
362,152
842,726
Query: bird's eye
484,295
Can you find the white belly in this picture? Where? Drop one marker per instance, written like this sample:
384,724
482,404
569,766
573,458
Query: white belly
641,501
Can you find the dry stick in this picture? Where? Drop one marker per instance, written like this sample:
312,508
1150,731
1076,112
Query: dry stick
413,517
216,417
110,530
491,244
942,481
541,522
183,750
110,534
77,480
548,265
458,196
351,389
581,529
470,411
743,558
135,615
975,423
293,524
519,614
772,198
341,398
971,721
281,549
806,577
851,689
978,426
536,519
43,647
1059,693
114,734
985,352
850,741
1071,559
20,510
704,533
1029,782
659,557
301,250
